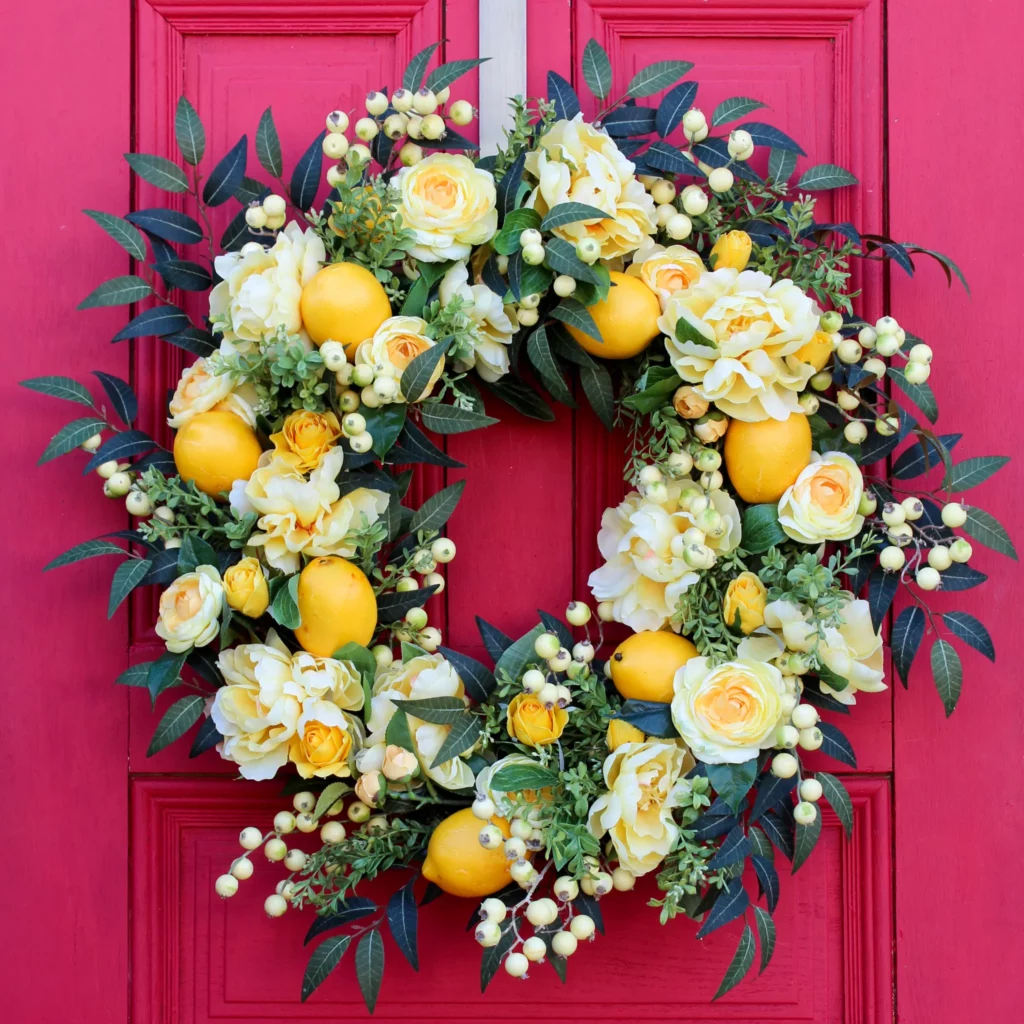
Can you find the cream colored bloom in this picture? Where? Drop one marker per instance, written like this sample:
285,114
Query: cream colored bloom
493,328
644,785
822,504
261,288
579,163
727,713
506,802
428,675
751,371
665,271
394,345
201,391
190,609
329,679
449,203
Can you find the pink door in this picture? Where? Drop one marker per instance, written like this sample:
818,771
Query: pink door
110,856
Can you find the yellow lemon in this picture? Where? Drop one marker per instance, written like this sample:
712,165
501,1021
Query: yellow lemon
337,606
345,303
766,457
457,863
214,449
627,319
644,666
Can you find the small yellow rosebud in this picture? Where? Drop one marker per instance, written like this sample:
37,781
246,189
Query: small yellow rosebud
689,404
245,588
731,250
620,732
744,603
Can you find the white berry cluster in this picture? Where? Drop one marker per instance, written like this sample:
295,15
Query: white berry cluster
119,481
912,543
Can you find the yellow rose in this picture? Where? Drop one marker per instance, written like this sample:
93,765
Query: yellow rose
644,785
577,162
665,271
689,404
493,326
620,732
731,250
532,724
754,328
449,204
201,391
394,345
245,588
728,713
309,435
823,502
324,740
817,351
745,598
190,609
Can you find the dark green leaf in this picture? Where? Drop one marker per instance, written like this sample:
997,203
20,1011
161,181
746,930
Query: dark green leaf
676,102
121,231
514,778
570,213
806,839
734,108
120,446
925,454
237,233
306,176
268,145
649,716
165,672
920,394
767,876
630,121
734,849
494,955
767,135
444,74
392,607
206,738
195,551
986,529
597,385
687,333
961,577
508,187
136,675
464,733
907,631
575,314
781,164
158,170
477,678
821,177
971,472
519,654
597,69
732,903
398,732
437,509
403,919
562,94
120,394
70,436
160,320
881,591
761,528
413,77
226,177
184,274
188,130
450,419
349,910
193,340
657,76
325,958
438,710
836,794
771,792
370,967
562,259
971,631
539,351
284,609
780,832
947,673
177,720
766,936
836,745
60,387
521,397
415,381
120,291
668,158
494,640
87,549
732,782
126,577
170,225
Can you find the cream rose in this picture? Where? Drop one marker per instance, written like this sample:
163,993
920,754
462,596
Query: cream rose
190,609
449,204
493,327
199,390
644,785
823,502
261,288
665,271
579,163
750,370
325,741
329,679
394,345
727,713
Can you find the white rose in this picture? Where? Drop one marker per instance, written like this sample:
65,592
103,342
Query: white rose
190,609
326,678
493,326
823,502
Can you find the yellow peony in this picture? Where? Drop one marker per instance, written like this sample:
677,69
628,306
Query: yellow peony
261,288
190,609
531,723
493,327
325,741
620,732
394,345
579,163
245,587
727,713
750,370
732,250
744,603
644,783
449,204
665,271
201,391
823,502
307,435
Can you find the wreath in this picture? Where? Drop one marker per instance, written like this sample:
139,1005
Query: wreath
782,462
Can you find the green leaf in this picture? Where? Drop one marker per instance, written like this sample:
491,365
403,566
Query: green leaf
806,838
444,74
733,109
494,955
119,291
575,314
170,225
597,385
126,578
947,673
225,178
920,394
688,333
69,437
437,509
306,176
821,177
184,274
539,350
136,675
121,231
971,472
325,958
765,935
370,967
385,424
907,631
87,549
562,259
597,69
60,387
464,733
403,920
971,631
415,380
732,782
165,672
436,710
398,732
986,529
159,171
515,778
268,145
413,77
189,132
761,528
450,419
655,389
781,164
658,76
328,797
177,720
741,961
195,551
570,213
835,793
519,654
284,609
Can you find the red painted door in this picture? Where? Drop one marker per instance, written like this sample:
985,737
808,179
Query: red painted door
110,857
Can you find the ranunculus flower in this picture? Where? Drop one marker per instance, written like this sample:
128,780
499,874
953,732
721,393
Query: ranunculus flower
823,502
394,345
261,288
644,783
620,732
532,724
324,741
492,327
329,679
755,327
665,271
308,435
201,391
731,250
190,609
744,603
398,763
576,162
688,403
245,587
727,713
449,203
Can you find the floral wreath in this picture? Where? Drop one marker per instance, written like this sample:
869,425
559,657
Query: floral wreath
714,323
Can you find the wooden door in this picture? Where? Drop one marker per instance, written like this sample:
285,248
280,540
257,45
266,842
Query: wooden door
110,856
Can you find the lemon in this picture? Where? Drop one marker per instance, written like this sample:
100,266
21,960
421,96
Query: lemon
627,319
457,863
644,666
214,449
337,606
345,303
764,458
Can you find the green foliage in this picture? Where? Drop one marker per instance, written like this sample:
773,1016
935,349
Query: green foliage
740,963
177,720
196,513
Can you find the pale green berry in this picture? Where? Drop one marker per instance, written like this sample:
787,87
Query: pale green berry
805,813
920,353
960,550
516,965
488,933
867,336
226,886
893,514
275,849
533,680
875,367
939,557
490,837
362,375
361,442
787,736
405,584
242,869
582,926
494,909
928,578
831,321
811,790
577,613
855,432
533,255
805,716
564,943
811,739
564,286
546,645
416,618
565,888
542,912
821,381
534,949
901,534
332,832
530,236
917,373
849,351
622,881
954,515
868,504
354,423
784,766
